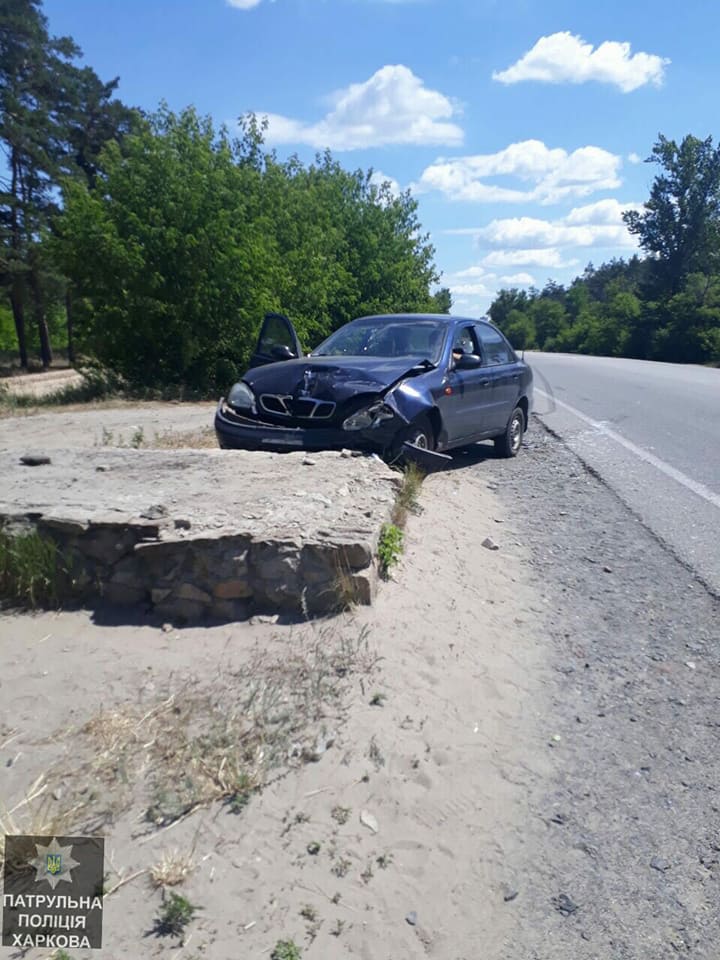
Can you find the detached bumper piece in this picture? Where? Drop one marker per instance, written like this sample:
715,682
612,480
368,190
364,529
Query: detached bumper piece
235,432
428,460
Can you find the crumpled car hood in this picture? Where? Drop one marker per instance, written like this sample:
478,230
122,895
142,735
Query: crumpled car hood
329,378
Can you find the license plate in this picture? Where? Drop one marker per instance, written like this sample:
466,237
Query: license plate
283,443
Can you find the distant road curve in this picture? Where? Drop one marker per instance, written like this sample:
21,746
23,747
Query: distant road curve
652,431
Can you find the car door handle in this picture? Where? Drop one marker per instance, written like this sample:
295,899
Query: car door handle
484,383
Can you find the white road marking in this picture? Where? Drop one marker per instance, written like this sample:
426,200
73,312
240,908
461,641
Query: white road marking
697,488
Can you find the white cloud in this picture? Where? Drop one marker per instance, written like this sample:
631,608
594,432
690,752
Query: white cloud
518,280
634,158
551,174
243,4
471,290
528,258
392,107
478,281
566,58
597,224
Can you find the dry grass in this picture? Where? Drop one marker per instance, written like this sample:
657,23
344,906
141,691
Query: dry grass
208,742
192,439
167,440
37,814
408,493
172,869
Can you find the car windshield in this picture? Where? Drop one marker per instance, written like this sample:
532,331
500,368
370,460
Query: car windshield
402,337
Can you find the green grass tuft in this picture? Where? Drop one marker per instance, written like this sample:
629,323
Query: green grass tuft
175,914
286,950
32,570
390,547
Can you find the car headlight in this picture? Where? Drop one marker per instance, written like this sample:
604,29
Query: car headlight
369,417
241,397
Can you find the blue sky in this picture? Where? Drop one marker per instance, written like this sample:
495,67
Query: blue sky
518,124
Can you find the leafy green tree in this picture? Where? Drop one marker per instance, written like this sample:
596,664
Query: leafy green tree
170,265
505,302
549,318
188,237
681,221
442,301
54,119
520,330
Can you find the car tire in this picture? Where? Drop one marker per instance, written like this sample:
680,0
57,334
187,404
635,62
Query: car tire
419,432
508,444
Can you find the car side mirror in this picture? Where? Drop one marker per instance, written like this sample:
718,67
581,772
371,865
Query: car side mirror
468,361
282,352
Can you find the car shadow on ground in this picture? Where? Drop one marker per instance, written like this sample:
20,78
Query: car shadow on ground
471,456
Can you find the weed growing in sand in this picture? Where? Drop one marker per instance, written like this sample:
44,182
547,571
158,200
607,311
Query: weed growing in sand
106,437
33,571
378,700
240,796
341,815
384,860
341,867
338,928
286,950
309,913
172,869
375,754
406,500
175,914
137,439
390,547
367,874
298,819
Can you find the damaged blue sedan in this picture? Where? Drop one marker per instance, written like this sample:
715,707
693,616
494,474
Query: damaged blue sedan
387,384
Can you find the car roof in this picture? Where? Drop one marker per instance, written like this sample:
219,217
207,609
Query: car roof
439,317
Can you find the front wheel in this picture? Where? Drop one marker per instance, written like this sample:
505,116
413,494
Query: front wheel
420,434
508,444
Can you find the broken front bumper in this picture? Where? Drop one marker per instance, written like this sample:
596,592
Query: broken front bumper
241,433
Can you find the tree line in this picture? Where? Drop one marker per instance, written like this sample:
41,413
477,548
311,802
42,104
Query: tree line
664,305
154,244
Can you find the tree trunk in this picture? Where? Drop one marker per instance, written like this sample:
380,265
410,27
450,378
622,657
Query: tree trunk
16,301
45,348
69,324
17,293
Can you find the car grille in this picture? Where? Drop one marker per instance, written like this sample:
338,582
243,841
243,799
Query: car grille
302,408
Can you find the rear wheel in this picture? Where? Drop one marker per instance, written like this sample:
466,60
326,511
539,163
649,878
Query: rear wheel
508,444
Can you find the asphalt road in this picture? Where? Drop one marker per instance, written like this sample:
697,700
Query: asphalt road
652,433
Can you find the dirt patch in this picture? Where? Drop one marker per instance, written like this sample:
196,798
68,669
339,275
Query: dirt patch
111,423
41,384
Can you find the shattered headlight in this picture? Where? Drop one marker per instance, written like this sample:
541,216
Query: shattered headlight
369,417
241,397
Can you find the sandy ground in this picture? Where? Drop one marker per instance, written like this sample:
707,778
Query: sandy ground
41,384
112,424
442,761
